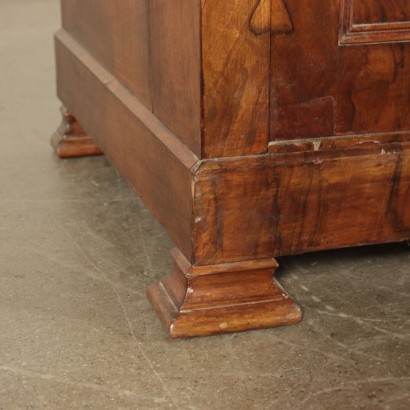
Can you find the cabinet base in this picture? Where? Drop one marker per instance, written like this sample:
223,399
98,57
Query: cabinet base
70,140
226,298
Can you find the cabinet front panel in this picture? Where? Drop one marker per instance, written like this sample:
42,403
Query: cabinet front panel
235,70
343,68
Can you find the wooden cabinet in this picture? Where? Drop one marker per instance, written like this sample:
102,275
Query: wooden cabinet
251,128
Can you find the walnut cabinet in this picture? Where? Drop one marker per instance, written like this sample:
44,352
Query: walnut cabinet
252,129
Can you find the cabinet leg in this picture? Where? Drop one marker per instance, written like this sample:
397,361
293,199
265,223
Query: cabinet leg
70,140
207,300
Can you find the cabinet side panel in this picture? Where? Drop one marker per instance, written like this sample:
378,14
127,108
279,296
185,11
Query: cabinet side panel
153,161
236,61
115,32
175,65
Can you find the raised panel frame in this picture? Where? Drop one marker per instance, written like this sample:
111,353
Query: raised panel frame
352,33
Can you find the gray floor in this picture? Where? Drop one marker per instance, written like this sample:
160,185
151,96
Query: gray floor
78,250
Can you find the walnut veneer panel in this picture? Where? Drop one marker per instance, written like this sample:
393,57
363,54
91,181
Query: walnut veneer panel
175,68
321,88
158,168
235,65
341,195
379,11
153,48
251,128
374,21
116,32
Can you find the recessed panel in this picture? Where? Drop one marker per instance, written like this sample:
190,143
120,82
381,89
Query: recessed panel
380,11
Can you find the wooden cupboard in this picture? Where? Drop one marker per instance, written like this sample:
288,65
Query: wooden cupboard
252,129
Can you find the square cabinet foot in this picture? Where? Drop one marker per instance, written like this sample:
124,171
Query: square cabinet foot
233,297
71,141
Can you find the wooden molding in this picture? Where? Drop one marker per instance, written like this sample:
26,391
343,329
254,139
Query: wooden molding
207,300
304,196
155,163
360,32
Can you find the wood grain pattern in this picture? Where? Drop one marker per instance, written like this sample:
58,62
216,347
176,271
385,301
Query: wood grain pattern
290,203
322,89
281,23
372,84
304,72
152,47
379,11
175,68
375,21
116,32
224,301
235,69
252,129
155,163
71,141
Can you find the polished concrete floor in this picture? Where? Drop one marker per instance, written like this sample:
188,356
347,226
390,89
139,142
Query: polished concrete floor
78,249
